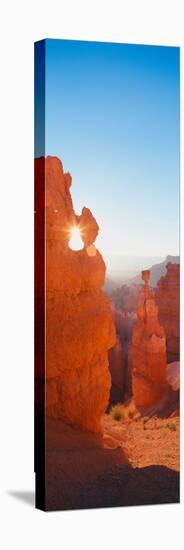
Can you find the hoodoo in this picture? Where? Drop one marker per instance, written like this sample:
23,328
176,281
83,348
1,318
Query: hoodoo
167,297
79,322
147,354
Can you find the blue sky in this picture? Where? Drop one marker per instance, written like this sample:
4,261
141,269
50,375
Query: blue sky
112,117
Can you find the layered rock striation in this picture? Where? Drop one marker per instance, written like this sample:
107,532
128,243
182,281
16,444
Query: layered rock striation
147,354
79,321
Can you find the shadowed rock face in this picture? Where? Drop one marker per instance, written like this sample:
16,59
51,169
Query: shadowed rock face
167,297
147,354
79,321
117,370
116,358
173,375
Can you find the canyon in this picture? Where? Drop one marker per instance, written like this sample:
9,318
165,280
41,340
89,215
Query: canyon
125,301
103,349
121,358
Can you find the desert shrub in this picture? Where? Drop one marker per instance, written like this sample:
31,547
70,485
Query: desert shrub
171,426
145,419
117,412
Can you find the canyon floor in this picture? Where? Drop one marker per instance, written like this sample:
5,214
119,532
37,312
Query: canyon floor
147,441
137,463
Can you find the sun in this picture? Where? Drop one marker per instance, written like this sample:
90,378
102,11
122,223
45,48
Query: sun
75,242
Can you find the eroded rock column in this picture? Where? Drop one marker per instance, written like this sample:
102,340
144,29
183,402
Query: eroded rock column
147,353
79,321
167,297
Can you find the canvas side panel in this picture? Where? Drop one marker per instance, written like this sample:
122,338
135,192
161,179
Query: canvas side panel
39,285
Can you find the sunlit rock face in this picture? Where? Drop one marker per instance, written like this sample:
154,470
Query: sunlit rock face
79,322
167,297
147,353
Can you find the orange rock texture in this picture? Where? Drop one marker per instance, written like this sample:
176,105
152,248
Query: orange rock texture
79,321
147,353
167,297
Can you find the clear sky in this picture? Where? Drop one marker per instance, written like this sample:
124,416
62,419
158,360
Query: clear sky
112,117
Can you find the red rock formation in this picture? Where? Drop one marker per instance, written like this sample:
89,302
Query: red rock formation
173,375
147,353
167,297
79,321
89,227
118,356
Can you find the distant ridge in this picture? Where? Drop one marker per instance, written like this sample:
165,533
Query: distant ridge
156,271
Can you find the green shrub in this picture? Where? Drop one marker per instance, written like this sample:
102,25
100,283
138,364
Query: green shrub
145,419
171,426
117,412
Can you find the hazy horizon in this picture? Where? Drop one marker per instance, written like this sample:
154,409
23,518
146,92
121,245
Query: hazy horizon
127,267
112,117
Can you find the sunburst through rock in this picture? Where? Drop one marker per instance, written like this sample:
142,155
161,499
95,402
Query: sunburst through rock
75,242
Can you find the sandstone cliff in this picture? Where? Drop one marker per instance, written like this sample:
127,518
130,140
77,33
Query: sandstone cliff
79,321
147,353
167,297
